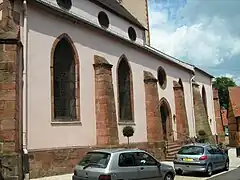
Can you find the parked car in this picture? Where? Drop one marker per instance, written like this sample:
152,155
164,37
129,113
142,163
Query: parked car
124,164
200,158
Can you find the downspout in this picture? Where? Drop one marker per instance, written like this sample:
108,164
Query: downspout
192,103
25,93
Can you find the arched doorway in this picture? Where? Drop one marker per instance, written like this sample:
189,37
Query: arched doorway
166,120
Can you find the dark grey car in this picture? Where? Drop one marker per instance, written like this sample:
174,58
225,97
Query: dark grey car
200,158
121,164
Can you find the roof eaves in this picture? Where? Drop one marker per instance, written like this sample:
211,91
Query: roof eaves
74,18
190,66
204,72
172,59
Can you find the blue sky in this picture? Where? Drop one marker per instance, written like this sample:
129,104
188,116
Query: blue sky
205,33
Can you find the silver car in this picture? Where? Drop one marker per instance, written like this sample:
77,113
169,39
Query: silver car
200,158
121,164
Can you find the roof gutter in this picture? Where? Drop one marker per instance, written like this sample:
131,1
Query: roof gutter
74,18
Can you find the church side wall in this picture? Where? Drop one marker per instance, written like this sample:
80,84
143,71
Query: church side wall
47,140
88,44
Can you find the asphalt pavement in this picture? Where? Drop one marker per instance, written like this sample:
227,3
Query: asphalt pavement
231,175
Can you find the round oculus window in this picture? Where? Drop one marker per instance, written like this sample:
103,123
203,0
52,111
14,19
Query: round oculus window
65,4
103,19
162,78
132,34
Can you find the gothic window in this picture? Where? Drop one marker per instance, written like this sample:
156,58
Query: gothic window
180,82
204,98
124,91
64,81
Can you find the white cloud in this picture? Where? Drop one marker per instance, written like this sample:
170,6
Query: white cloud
228,75
202,34
235,78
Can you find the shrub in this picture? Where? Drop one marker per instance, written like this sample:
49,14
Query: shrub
128,132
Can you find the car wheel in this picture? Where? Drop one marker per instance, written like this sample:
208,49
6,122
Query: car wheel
168,177
179,172
209,170
226,168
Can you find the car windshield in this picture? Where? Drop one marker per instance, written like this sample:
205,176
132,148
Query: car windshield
98,159
191,150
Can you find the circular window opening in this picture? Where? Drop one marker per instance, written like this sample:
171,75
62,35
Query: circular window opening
132,34
162,78
65,4
103,19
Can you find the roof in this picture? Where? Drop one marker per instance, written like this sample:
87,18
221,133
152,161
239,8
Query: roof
234,99
182,63
197,144
116,8
204,72
224,117
117,150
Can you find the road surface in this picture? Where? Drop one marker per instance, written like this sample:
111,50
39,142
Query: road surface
231,175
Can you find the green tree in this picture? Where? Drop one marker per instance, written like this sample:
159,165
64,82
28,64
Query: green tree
222,83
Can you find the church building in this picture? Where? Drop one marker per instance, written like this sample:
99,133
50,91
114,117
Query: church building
76,72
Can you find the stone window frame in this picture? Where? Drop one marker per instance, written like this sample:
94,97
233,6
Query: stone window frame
121,121
163,73
204,98
77,82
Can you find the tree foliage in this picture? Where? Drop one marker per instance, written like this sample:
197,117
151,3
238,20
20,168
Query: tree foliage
128,131
222,83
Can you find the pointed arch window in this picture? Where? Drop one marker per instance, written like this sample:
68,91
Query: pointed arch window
65,80
180,82
204,98
125,90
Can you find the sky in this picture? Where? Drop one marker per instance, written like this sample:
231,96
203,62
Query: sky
205,33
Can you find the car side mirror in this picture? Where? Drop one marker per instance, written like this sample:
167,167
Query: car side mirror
158,164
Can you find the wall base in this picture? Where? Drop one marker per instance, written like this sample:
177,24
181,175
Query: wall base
62,161
12,163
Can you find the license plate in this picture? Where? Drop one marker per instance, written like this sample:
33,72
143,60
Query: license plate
187,159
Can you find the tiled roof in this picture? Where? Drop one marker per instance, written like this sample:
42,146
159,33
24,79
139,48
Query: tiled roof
234,97
224,117
116,8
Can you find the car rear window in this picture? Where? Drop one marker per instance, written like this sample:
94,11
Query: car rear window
100,159
191,150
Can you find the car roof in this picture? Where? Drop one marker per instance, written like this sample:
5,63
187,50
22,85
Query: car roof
197,144
117,150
